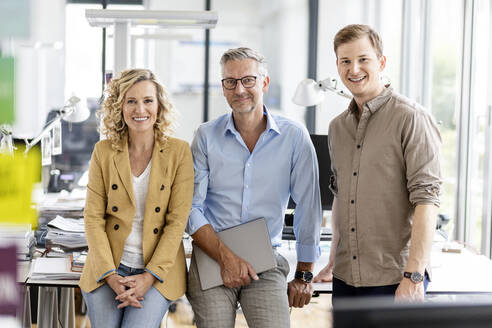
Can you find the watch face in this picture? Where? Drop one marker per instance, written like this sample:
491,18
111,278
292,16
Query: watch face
416,277
305,276
308,276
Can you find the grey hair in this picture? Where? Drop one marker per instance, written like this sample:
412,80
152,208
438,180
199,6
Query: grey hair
244,53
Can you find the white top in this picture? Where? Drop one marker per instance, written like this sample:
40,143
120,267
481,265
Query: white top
132,252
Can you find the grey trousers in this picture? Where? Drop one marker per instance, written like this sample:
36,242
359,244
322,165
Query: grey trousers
264,302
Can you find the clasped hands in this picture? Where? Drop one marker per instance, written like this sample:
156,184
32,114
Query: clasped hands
131,289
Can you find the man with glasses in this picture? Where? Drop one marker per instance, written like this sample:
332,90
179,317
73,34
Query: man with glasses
247,164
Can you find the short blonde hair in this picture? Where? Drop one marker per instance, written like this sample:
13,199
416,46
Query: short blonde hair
111,112
357,31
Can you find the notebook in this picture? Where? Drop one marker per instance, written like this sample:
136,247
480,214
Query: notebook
250,241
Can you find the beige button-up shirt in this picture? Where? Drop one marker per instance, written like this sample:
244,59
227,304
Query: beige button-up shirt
383,165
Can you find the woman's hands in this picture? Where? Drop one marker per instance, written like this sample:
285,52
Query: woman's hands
114,282
130,290
135,288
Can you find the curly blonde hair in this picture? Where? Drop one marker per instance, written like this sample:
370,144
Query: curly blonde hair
111,112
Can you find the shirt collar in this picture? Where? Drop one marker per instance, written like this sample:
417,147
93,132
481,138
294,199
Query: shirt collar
271,124
375,104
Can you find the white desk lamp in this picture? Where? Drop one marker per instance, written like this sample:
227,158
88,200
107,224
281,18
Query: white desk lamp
6,145
310,92
72,112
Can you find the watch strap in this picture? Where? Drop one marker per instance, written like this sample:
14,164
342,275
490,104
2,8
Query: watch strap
415,277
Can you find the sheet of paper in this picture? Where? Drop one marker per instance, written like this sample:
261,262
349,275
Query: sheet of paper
53,268
45,265
73,225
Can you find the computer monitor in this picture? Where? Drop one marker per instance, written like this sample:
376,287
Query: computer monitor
385,313
320,143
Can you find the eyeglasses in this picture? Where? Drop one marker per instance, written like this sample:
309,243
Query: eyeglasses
247,82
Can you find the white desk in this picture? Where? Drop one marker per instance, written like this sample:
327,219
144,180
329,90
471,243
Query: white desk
456,273
49,314
24,314
452,273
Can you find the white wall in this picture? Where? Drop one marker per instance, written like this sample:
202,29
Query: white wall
333,15
39,68
278,29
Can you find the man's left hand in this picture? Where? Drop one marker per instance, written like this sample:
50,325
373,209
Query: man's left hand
408,291
299,293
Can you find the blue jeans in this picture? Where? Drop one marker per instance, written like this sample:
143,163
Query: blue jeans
103,313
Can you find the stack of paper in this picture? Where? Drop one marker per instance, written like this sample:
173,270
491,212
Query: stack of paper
64,203
78,261
67,233
57,268
21,236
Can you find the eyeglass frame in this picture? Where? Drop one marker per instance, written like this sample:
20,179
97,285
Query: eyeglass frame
240,79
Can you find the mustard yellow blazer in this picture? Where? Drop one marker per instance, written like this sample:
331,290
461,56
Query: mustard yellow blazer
110,209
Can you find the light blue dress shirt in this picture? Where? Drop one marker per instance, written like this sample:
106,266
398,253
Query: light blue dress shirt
234,186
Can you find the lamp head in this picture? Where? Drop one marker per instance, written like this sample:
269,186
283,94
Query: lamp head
76,110
308,93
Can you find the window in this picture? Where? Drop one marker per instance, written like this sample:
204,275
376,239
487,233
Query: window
389,29
83,77
267,27
83,49
478,124
331,19
177,57
444,59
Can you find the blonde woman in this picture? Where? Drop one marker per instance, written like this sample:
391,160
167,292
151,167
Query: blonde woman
138,201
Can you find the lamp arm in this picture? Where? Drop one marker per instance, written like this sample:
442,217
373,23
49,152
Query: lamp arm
5,131
331,84
63,112
46,129
6,139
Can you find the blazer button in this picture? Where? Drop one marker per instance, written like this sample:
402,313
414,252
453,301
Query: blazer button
114,186
157,209
116,227
115,208
156,231
162,187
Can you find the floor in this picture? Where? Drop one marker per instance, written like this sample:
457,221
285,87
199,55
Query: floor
316,314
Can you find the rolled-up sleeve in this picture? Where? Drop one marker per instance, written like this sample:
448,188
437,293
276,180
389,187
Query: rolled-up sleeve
333,186
421,149
200,162
306,194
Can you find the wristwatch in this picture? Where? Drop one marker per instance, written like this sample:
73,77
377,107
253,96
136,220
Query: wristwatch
415,277
305,276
